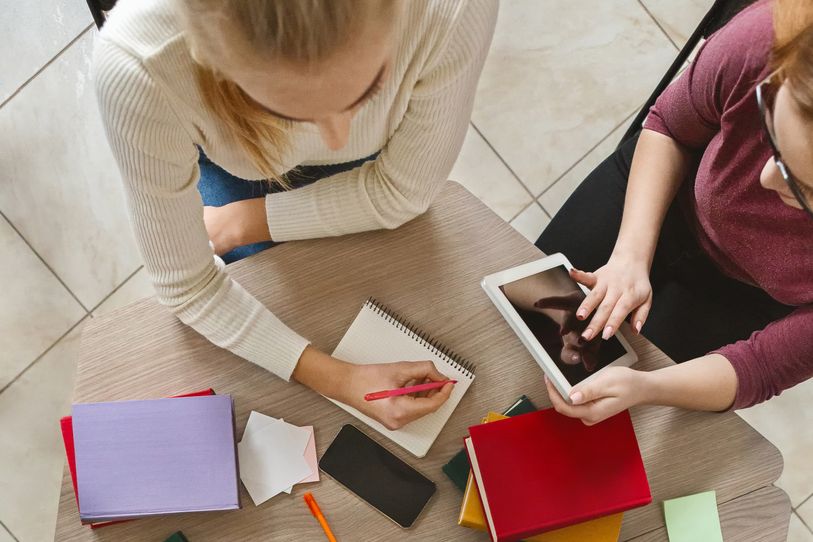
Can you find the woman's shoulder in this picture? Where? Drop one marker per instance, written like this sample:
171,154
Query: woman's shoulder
141,62
141,27
732,61
754,21
445,15
744,44
432,26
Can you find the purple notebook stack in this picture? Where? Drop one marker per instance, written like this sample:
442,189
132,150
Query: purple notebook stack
162,456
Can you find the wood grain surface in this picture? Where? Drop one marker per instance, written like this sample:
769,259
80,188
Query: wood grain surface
429,271
755,516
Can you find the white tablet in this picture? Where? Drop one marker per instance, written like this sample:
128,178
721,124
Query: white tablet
539,302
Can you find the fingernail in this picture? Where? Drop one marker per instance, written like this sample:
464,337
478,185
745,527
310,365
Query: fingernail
638,326
576,398
574,357
608,332
546,378
588,334
581,313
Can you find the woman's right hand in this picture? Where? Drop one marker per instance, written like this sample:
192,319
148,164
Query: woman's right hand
348,383
618,289
395,412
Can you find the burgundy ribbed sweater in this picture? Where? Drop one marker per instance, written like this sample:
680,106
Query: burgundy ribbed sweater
746,230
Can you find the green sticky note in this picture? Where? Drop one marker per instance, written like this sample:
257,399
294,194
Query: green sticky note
693,518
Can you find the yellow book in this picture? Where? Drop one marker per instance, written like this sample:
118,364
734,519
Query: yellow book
605,529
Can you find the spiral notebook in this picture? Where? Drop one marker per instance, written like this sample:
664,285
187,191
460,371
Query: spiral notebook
379,336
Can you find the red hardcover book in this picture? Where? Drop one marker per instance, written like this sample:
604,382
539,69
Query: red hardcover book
66,424
542,471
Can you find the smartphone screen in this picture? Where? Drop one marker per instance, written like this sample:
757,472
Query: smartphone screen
370,471
547,303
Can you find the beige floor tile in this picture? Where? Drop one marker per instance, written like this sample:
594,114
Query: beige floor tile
797,531
555,196
805,512
61,185
33,32
560,76
786,421
36,309
32,454
137,287
484,175
678,19
5,536
531,222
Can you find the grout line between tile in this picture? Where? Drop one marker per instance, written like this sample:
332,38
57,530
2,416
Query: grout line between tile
88,314
27,367
799,516
520,211
534,202
4,526
658,24
38,255
809,497
116,289
39,71
583,156
509,168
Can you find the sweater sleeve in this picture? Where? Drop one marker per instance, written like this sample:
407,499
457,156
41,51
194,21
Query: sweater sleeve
727,67
402,181
158,162
772,359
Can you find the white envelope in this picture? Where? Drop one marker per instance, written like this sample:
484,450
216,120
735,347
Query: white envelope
272,456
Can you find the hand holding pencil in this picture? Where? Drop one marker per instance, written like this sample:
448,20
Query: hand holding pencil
376,395
399,407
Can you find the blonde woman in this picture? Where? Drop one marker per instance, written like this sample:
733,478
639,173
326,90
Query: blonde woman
240,123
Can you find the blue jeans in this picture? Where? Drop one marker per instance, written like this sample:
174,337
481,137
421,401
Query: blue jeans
218,187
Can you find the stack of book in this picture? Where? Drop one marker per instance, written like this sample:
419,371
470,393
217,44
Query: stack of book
133,459
544,477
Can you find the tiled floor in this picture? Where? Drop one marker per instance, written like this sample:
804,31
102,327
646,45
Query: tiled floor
557,92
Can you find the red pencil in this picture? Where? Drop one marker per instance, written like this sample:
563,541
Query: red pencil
404,391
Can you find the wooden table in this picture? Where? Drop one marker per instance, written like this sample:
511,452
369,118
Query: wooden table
430,270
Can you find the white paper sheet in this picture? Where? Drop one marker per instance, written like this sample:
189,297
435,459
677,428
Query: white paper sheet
274,455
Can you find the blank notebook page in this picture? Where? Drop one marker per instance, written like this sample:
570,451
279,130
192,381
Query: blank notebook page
377,336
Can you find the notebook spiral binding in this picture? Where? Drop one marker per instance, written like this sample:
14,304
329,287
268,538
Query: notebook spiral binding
418,334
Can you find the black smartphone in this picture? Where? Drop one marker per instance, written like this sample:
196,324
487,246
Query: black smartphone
377,476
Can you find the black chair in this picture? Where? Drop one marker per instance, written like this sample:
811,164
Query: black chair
720,13
98,9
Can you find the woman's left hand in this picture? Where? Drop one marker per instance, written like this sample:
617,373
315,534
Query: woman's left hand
236,224
611,391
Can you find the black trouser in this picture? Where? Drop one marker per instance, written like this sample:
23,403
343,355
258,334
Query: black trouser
695,307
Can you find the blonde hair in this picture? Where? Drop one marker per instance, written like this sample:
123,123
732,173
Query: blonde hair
300,31
792,53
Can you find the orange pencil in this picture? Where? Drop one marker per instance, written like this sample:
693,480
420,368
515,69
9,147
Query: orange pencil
317,513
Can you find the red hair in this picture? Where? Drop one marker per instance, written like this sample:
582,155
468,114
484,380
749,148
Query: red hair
792,53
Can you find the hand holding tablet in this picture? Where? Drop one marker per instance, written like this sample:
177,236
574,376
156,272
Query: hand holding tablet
540,300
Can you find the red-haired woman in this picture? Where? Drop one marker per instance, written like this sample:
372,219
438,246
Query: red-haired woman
701,231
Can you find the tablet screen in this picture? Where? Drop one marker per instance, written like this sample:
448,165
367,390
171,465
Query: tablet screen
547,303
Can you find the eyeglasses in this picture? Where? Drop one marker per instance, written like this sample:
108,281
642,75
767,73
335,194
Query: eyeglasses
766,95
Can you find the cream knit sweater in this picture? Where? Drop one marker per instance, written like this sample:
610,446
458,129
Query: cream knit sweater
155,117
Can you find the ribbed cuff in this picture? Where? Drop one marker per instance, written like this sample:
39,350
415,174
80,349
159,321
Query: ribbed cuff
278,352
291,216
